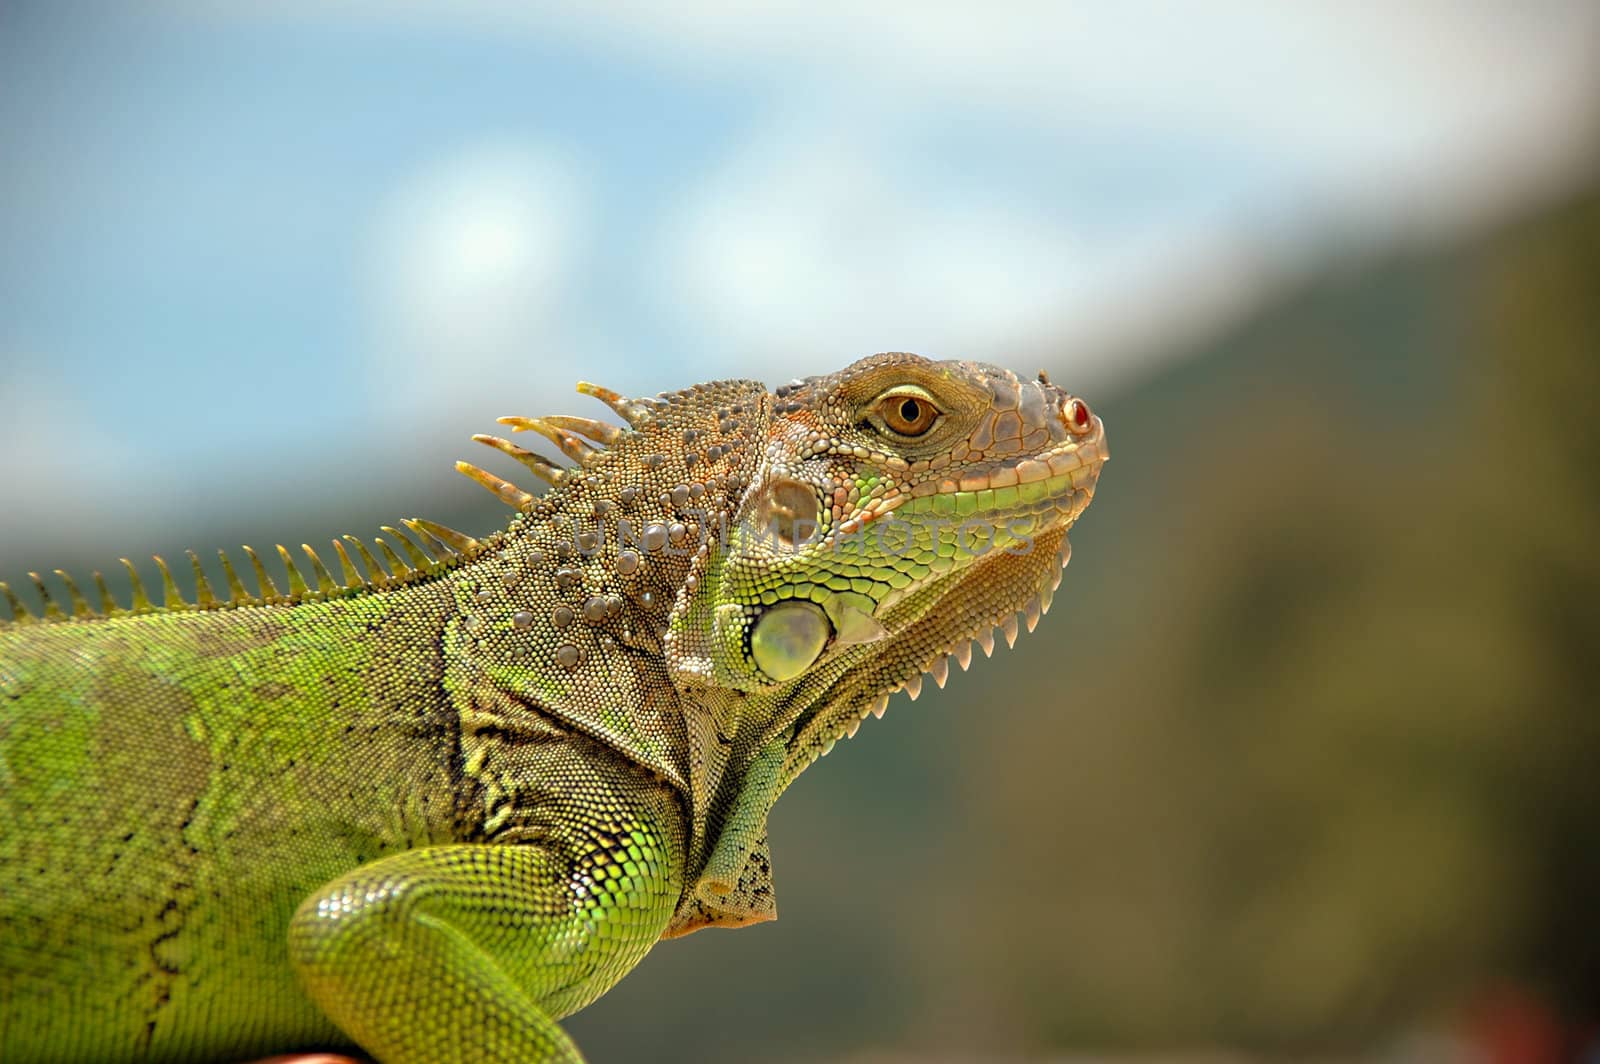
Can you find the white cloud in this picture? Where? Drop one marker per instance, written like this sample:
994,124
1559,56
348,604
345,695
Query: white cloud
813,237
1340,86
812,245
469,268
807,244
1424,103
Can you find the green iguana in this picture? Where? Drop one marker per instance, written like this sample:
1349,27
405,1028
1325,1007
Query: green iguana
431,805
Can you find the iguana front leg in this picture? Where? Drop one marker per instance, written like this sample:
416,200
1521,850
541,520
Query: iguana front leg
472,952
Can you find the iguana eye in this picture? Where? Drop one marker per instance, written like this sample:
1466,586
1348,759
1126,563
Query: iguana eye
907,414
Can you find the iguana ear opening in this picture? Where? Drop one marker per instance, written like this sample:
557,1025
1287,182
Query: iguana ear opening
788,512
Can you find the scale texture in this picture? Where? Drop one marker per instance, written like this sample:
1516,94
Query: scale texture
427,800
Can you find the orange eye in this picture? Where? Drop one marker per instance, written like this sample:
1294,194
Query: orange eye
907,415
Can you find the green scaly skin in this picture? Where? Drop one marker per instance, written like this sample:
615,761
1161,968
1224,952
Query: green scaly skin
431,810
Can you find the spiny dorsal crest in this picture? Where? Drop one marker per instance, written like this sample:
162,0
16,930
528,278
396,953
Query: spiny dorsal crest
437,546
571,434
440,547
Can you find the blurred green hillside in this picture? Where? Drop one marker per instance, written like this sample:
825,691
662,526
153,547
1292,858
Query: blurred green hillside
1307,755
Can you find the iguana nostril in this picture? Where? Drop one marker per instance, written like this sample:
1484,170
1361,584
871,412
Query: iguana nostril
1075,412
788,637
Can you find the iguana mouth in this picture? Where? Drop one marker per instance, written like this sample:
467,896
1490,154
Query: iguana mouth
1002,594
1051,474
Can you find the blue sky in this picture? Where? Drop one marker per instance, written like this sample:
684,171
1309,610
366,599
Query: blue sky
299,225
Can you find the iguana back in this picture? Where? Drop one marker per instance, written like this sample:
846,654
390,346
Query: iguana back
175,784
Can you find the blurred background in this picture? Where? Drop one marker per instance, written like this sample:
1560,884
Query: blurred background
1306,761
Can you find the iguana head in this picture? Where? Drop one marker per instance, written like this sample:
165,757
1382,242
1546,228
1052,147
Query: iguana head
897,511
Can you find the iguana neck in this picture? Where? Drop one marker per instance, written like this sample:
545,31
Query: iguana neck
576,610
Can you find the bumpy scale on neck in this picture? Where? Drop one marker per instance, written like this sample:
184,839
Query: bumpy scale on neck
573,611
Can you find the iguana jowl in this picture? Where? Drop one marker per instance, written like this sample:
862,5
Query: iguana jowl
431,809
